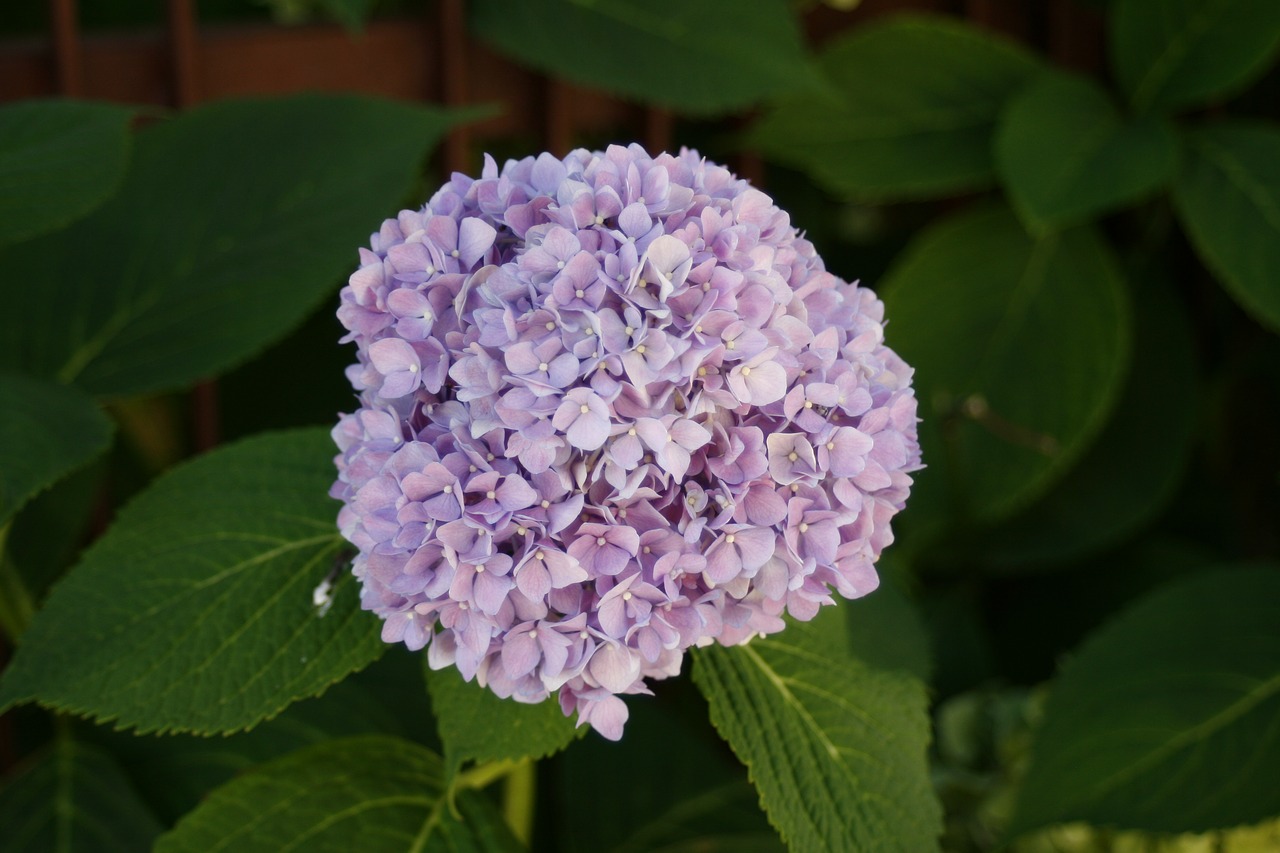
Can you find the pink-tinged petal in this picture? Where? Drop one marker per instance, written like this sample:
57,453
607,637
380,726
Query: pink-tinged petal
764,506
607,715
690,435
675,460
561,515
515,493
609,560
565,570
614,667
626,450
723,562
534,580
443,508
653,433
613,616
766,384
562,370
555,651
520,654
821,541
589,432
521,359
756,545
475,236
490,591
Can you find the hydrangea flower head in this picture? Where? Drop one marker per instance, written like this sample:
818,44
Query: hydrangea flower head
611,407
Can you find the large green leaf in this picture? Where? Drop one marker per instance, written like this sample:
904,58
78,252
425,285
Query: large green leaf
1127,477
1065,153
691,55
1228,197
195,612
370,794
47,432
234,220
1180,53
58,161
836,748
1166,718
476,725
915,105
73,799
1020,347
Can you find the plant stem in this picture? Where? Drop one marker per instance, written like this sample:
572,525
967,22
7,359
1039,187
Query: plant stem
519,793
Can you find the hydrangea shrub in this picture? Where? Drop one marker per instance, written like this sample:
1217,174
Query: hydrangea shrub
611,407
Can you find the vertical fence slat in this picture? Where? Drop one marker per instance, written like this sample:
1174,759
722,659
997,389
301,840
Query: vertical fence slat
451,41
68,63
182,52
557,131
658,125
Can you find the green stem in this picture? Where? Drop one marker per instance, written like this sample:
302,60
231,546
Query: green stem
16,606
519,792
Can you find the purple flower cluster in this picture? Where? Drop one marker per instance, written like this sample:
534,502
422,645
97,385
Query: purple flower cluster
612,407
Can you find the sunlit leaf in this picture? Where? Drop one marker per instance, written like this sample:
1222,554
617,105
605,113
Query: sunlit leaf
836,748
234,220
196,611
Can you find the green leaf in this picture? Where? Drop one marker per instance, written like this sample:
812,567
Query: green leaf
835,747
690,795
1181,53
74,798
1228,198
1128,476
1165,719
696,56
1066,154
47,432
234,220
476,725
886,632
368,793
195,612
1019,346
58,161
916,103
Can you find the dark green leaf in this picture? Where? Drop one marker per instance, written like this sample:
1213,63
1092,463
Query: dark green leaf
1066,154
1180,53
476,725
350,13
688,795
915,106
47,432
234,220
886,631
370,794
195,612
58,161
1165,720
698,56
174,772
1130,473
835,747
1228,198
1020,348
74,799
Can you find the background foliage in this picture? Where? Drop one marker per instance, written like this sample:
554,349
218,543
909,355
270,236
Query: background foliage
1077,645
